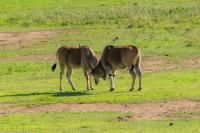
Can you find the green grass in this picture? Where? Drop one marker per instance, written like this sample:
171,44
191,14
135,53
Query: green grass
92,122
33,83
52,13
166,29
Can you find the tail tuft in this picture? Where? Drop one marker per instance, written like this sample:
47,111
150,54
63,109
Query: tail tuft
53,67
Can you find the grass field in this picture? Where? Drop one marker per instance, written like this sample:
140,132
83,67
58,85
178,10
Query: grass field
167,33
139,14
93,122
160,86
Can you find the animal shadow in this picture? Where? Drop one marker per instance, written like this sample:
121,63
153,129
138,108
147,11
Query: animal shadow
54,94
68,94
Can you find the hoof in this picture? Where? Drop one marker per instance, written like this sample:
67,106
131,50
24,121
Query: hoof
60,89
73,89
139,89
112,89
131,89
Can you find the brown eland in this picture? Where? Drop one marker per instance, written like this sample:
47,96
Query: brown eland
119,57
73,57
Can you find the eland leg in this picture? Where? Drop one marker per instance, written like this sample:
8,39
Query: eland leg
133,75
113,80
112,87
139,74
87,78
69,75
62,69
90,80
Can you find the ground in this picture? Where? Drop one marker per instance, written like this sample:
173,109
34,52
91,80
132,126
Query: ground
166,32
174,110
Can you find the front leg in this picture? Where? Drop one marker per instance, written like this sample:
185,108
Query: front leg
112,87
111,78
114,74
87,78
90,80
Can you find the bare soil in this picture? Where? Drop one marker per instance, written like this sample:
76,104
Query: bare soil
148,111
14,41
155,64
51,58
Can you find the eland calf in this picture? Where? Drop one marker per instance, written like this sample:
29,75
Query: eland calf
118,57
73,57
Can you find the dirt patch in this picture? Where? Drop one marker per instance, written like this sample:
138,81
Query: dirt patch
193,62
147,111
155,64
51,58
13,41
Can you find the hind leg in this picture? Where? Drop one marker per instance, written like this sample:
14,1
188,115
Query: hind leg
139,74
133,75
62,69
69,75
